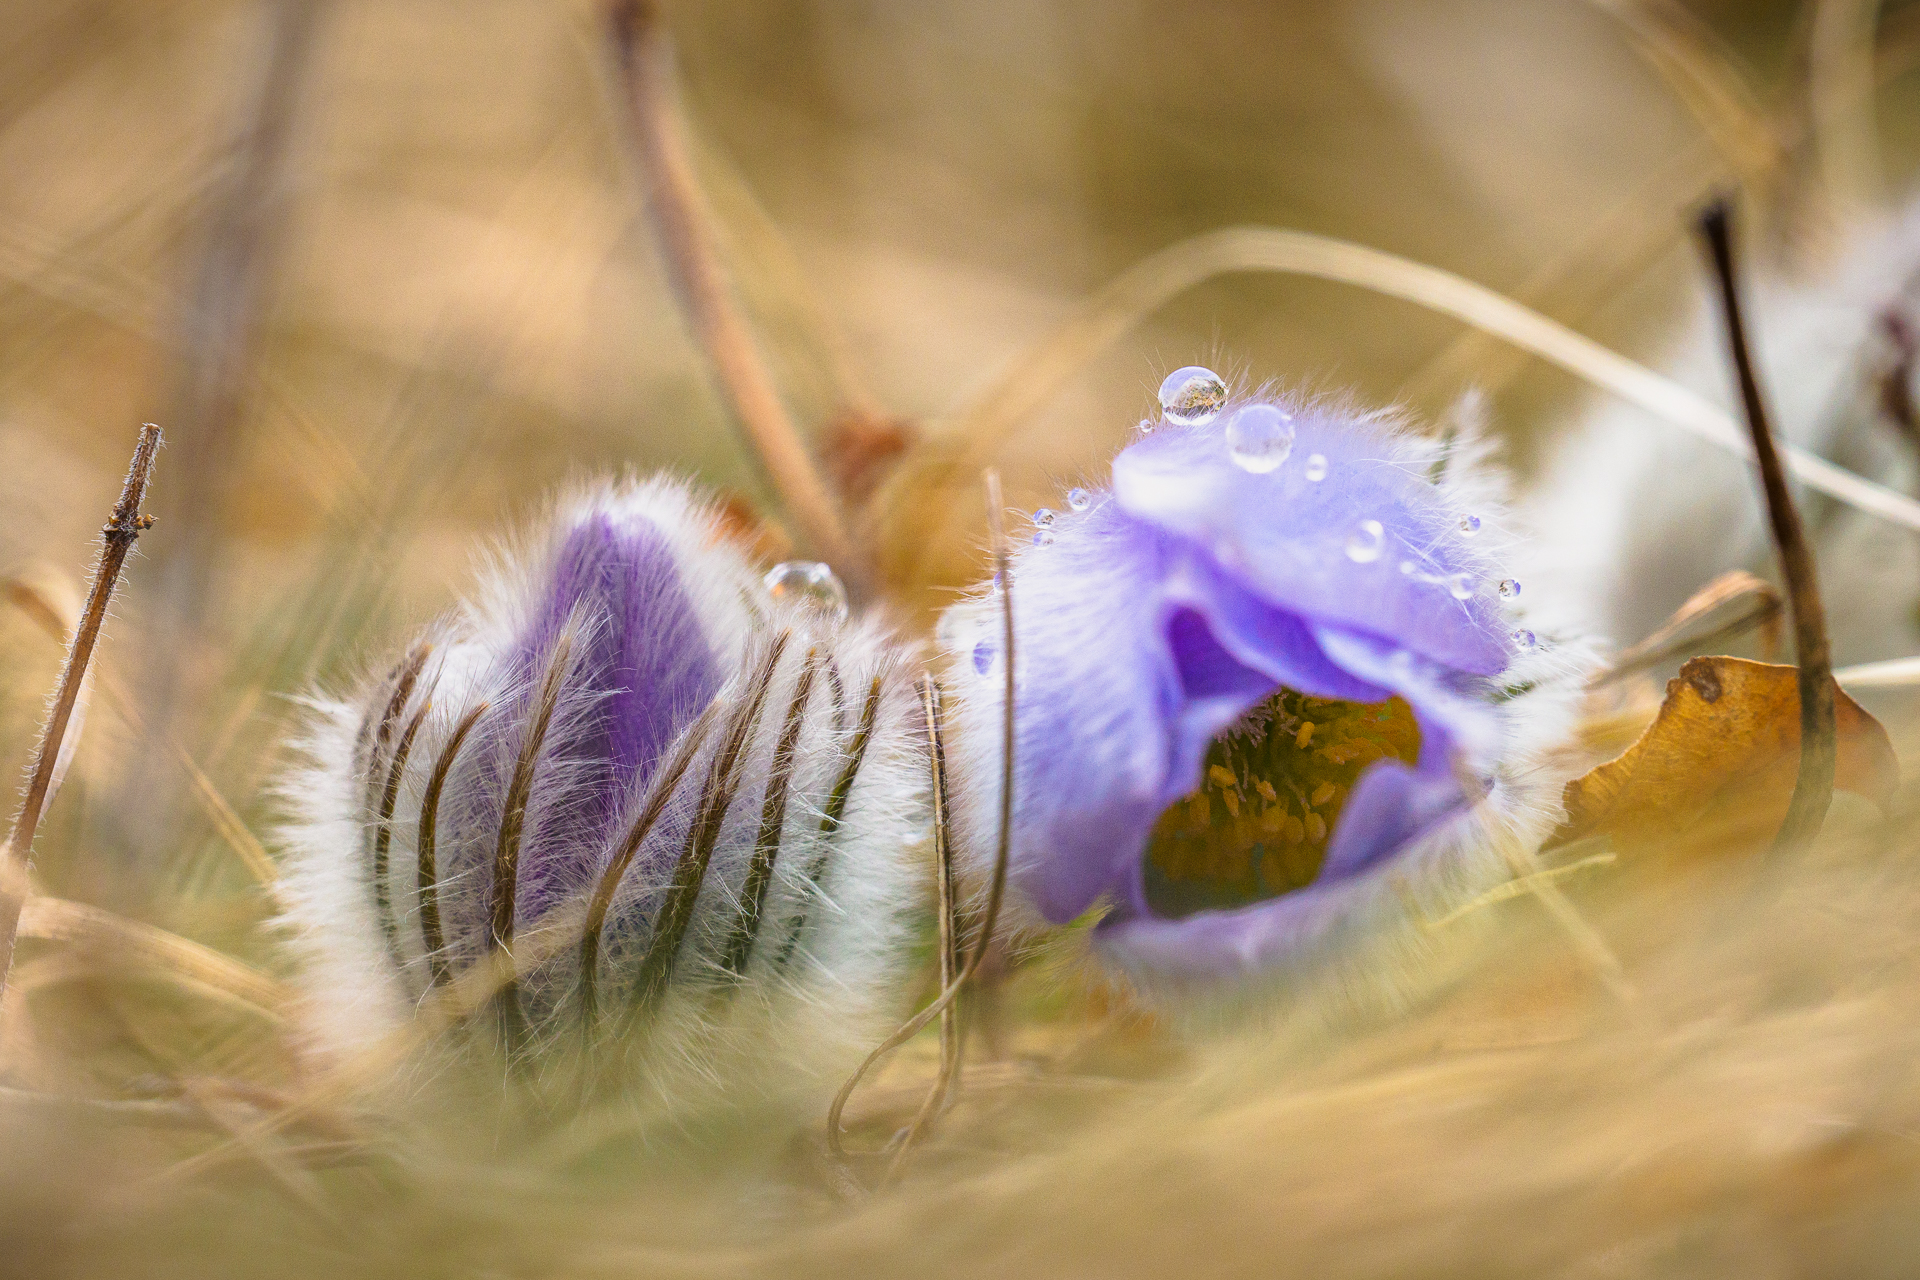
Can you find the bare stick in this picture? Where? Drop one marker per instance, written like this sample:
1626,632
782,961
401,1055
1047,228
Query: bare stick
1761,608
116,540
949,957
646,61
1813,788
215,331
996,890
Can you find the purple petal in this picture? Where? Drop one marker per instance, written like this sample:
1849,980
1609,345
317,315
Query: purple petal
640,671
1135,651
1286,537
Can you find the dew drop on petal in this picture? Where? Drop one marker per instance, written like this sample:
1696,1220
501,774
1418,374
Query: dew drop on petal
1366,542
1259,438
1509,588
1192,395
1079,499
808,582
1469,525
1460,586
1523,639
1316,467
1144,426
1043,537
983,656
1043,517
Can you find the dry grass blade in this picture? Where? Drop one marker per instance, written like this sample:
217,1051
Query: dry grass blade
34,599
117,539
1891,674
1813,789
1841,79
1700,70
1149,284
1529,883
1762,609
646,65
948,920
78,924
997,886
218,317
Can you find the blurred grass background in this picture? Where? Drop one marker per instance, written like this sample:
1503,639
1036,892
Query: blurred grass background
462,305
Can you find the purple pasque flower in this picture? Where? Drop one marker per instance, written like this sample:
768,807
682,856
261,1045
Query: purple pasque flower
1266,691
682,799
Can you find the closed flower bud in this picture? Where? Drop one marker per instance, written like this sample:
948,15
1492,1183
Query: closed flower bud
674,811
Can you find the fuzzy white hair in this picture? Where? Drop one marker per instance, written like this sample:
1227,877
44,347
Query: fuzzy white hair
1636,515
778,971
1378,952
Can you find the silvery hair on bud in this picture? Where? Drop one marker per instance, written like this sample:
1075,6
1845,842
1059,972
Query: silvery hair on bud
690,814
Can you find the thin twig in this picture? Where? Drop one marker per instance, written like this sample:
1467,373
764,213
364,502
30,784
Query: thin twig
117,539
1762,610
943,873
996,889
1813,788
646,65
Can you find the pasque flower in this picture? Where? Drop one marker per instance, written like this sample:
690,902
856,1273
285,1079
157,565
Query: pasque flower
681,800
1271,689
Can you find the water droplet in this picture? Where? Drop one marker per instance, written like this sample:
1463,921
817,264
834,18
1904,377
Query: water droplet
1144,426
1259,438
1366,542
1523,639
1079,499
1043,537
999,582
983,655
1192,395
1469,525
1043,517
1316,467
1460,586
808,582
1509,588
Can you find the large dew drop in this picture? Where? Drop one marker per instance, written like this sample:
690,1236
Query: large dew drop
1259,438
1366,542
808,582
1509,588
1079,499
1044,516
1192,395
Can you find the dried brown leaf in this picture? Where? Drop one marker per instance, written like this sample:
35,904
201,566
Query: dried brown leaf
1725,748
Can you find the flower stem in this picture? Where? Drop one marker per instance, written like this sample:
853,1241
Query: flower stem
1813,788
645,57
123,527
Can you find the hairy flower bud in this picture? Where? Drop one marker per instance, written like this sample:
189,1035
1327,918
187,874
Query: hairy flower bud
676,814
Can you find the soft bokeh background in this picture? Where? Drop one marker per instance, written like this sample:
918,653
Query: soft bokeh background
460,303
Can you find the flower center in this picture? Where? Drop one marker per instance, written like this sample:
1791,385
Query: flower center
1273,788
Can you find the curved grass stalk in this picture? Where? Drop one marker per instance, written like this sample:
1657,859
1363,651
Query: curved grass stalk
78,923
1151,283
1703,74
